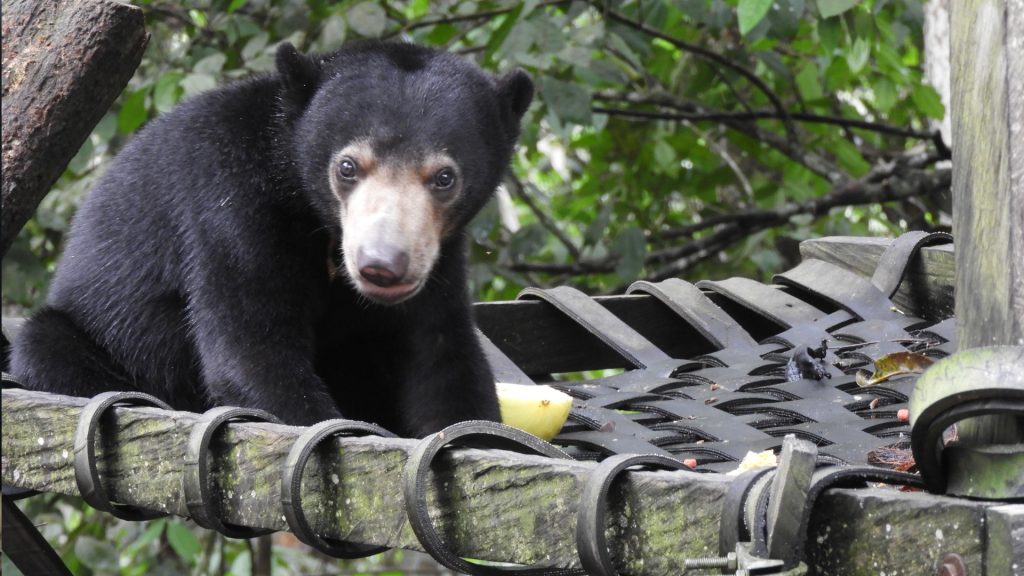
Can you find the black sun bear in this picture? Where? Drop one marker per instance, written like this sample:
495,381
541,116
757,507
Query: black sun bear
293,242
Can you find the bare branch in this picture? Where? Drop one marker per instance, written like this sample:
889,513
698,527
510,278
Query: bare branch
713,57
812,161
886,183
719,116
543,217
463,17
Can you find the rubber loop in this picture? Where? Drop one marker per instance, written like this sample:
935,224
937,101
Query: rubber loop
196,471
479,434
87,475
291,485
591,542
732,527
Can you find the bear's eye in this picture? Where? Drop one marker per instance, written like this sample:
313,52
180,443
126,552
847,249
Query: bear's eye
347,169
444,179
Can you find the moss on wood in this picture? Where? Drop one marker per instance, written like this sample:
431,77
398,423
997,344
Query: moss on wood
489,504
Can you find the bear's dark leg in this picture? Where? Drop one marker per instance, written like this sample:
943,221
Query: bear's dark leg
254,329
53,354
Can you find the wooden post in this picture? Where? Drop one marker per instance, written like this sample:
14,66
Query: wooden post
988,185
64,63
988,170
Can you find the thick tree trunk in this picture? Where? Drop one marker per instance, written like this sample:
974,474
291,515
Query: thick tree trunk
64,63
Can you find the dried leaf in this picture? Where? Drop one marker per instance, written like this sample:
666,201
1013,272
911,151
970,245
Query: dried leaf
893,365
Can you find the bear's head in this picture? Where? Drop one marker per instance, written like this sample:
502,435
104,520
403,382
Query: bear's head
399,147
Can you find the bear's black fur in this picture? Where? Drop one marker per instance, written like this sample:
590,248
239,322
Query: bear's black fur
210,265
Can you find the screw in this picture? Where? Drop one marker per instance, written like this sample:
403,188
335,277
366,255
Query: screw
952,565
728,561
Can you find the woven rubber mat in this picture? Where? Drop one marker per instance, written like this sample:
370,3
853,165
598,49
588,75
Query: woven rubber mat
717,406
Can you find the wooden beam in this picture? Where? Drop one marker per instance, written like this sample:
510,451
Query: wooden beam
541,340
988,170
497,505
64,63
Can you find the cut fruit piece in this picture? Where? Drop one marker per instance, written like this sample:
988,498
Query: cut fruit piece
539,410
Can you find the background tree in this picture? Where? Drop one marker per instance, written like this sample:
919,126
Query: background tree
693,138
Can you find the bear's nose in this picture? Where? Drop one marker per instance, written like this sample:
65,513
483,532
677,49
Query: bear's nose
383,265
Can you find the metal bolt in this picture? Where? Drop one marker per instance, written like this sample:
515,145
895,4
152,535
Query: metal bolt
952,565
728,561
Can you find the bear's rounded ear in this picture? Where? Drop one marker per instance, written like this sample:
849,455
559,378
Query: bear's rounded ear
300,73
515,90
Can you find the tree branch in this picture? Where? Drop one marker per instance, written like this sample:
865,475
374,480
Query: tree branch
543,217
894,181
719,116
716,58
812,161
463,17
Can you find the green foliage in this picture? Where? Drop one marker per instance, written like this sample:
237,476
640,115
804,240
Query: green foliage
622,196
93,543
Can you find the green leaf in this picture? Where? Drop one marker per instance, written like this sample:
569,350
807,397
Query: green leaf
631,247
569,101
858,55
195,83
332,35
885,95
367,19
417,8
808,83
198,17
133,112
849,157
599,226
98,555
501,33
928,101
212,64
751,12
167,91
153,531
235,5
830,8
254,47
80,163
664,155
183,541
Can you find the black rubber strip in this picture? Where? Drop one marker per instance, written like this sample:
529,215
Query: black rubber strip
732,528
26,547
291,485
591,542
607,327
196,471
926,435
480,434
86,473
11,383
893,264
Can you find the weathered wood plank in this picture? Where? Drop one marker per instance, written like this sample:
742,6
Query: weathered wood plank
497,505
874,531
988,182
927,289
64,63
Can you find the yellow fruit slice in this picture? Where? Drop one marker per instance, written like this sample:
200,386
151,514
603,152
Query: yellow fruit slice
539,410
